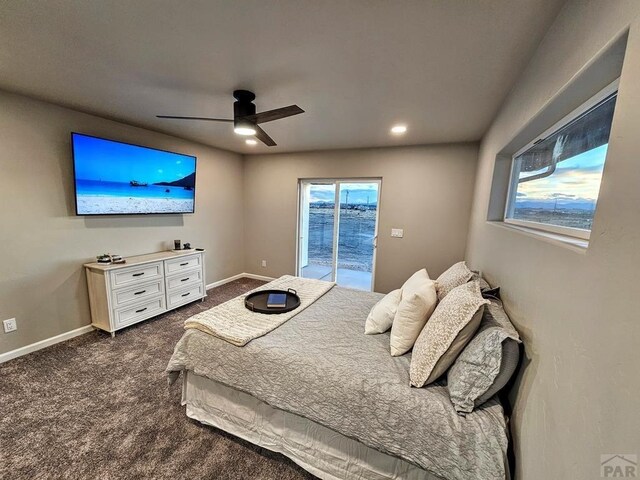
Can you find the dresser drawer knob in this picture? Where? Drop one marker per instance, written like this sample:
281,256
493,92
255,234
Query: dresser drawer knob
185,294
138,274
141,310
140,292
183,264
184,279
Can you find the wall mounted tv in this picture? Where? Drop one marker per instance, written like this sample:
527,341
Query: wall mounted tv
114,178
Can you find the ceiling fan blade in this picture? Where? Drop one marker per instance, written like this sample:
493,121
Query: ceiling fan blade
172,117
277,114
264,138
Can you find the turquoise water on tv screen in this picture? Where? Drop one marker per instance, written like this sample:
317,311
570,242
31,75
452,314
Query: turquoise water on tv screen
118,189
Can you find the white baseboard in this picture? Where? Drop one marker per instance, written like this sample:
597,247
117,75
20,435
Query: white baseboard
258,277
47,342
224,280
237,277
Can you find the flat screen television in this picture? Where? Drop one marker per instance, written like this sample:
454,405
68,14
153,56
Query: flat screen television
115,178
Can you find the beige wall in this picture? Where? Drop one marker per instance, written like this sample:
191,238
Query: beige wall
43,244
425,190
577,312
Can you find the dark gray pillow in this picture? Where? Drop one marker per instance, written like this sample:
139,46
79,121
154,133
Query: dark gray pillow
491,293
487,362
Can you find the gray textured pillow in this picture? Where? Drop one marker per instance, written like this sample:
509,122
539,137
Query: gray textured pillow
487,362
456,275
450,327
508,365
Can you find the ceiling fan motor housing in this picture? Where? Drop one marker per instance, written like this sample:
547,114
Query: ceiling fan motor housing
243,106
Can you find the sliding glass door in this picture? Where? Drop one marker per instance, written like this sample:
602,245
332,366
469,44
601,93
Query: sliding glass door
317,221
338,228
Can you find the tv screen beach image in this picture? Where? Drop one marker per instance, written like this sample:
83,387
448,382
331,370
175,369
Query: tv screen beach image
116,178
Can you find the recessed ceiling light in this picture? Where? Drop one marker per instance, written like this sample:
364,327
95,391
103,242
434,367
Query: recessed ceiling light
398,129
251,141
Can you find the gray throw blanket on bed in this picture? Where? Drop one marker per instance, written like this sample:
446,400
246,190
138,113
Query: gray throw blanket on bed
322,366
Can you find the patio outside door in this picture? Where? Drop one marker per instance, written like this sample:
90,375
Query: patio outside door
338,229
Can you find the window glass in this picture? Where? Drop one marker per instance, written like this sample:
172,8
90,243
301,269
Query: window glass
556,180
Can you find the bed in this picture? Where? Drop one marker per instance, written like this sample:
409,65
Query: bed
333,399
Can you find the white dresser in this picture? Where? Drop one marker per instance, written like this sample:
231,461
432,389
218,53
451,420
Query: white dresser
143,287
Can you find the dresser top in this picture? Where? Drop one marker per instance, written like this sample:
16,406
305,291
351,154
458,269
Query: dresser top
140,259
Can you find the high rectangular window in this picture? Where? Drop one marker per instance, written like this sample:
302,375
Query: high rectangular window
555,179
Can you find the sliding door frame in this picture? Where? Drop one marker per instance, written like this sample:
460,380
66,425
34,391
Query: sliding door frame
336,220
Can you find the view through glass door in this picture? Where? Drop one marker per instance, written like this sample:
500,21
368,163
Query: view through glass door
338,231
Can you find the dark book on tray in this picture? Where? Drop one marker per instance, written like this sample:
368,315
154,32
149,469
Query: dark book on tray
277,300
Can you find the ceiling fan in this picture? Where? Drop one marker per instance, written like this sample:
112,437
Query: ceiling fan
245,119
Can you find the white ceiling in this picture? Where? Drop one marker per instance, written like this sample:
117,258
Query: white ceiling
355,66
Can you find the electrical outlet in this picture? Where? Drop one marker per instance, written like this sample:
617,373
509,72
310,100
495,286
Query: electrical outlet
10,325
397,232
264,263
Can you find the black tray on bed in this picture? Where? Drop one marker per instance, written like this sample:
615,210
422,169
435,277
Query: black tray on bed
257,301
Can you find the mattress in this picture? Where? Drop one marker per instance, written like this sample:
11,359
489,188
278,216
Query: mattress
318,449
320,366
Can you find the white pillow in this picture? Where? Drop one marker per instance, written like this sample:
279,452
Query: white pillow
415,281
381,316
414,310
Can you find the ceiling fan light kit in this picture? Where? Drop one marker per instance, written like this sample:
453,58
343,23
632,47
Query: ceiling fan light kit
244,128
245,119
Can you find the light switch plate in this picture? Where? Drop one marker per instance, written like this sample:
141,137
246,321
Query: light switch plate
397,232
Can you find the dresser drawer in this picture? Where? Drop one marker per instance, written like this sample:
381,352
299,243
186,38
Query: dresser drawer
184,280
136,275
175,299
183,263
132,314
124,296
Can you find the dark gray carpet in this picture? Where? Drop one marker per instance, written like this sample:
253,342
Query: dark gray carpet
97,407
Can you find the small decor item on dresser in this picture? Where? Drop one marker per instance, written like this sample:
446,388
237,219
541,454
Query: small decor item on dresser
108,259
272,301
104,258
178,246
117,259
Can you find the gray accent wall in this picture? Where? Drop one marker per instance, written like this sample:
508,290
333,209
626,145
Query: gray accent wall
43,244
577,311
426,191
